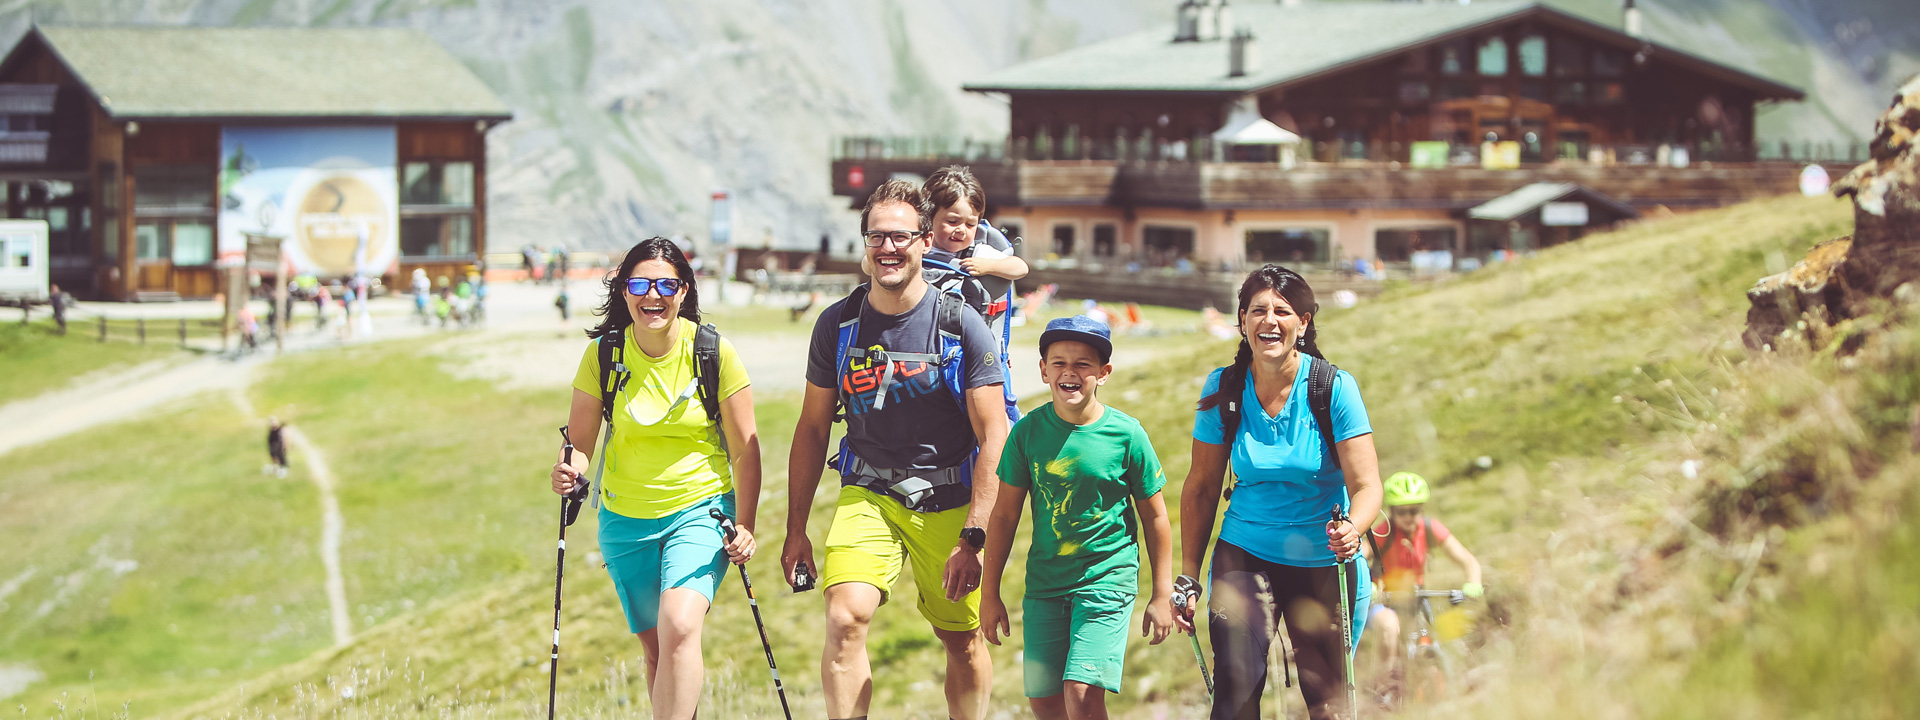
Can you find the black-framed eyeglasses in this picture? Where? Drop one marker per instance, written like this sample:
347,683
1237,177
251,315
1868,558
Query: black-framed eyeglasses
879,238
668,287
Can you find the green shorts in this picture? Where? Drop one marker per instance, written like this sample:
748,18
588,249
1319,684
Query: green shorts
1080,636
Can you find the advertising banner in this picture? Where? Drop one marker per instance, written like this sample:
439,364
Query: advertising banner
720,231
328,195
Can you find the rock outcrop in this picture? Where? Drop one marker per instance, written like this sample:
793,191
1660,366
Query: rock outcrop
1837,277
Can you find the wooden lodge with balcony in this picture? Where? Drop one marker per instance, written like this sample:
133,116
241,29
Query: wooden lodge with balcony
1325,133
162,156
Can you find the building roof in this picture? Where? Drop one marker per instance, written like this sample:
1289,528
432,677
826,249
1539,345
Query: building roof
1302,42
1531,197
271,73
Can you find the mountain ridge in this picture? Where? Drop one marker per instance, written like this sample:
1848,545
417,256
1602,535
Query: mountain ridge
627,114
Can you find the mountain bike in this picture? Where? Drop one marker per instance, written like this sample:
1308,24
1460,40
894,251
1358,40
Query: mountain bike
1425,669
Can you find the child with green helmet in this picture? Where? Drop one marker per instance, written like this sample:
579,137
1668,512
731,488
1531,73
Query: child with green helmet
1397,548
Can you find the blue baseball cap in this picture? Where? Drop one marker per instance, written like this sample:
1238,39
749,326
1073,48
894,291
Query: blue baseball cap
1079,328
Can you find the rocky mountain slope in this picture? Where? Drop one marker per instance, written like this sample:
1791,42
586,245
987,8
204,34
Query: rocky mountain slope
629,112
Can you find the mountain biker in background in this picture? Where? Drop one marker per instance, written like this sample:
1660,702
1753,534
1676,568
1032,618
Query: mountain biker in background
1397,548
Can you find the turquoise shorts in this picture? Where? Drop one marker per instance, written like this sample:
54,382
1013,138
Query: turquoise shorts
648,557
1080,636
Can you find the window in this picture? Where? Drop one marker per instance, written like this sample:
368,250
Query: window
151,241
1574,144
436,208
1533,55
1569,58
1063,240
1493,57
184,242
19,252
18,123
192,243
1414,92
1167,244
436,236
437,183
1609,93
1571,92
1608,62
172,187
1103,239
1399,245
1453,58
1418,62
1288,245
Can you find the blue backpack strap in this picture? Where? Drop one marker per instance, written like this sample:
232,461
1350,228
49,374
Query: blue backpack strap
952,352
848,331
953,362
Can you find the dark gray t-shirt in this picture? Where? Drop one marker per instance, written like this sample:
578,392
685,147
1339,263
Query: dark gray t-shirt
920,427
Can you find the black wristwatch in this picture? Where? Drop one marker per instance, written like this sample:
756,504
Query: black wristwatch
975,536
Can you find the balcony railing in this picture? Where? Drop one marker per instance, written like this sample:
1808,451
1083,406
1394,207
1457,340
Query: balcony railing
1146,147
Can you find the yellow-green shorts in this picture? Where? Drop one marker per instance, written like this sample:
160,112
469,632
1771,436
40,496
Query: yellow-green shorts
873,536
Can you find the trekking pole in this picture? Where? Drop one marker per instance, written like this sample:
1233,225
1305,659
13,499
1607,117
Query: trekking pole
726,526
1346,622
1181,602
569,511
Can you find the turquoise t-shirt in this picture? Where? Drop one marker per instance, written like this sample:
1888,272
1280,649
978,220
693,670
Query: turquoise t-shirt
1287,481
1083,482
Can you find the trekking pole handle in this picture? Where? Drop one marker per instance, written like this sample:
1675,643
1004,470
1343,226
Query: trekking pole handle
1339,516
726,523
579,491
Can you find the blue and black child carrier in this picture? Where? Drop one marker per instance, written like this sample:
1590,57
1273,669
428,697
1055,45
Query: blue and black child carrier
942,269
917,490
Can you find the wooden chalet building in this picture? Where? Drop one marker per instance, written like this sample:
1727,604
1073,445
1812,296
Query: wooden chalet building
157,155
1321,133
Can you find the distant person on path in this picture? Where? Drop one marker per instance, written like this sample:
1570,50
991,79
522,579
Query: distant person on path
531,257
1090,470
276,447
919,377
422,294
479,282
322,304
557,263
564,304
1276,556
666,463
1398,546
58,302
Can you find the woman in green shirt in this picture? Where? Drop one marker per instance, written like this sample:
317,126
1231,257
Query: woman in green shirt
665,466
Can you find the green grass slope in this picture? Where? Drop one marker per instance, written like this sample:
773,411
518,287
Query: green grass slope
1576,364
1585,377
34,359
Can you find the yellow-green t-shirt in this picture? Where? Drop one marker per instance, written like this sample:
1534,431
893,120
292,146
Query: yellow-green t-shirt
653,471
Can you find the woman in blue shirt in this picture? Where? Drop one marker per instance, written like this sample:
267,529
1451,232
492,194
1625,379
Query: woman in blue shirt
1276,559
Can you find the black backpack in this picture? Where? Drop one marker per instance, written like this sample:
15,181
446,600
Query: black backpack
706,369
1320,379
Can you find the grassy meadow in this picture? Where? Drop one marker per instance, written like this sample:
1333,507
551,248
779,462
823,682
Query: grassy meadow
34,359
1671,525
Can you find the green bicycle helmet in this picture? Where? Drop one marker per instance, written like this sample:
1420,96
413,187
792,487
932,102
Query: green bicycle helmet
1405,488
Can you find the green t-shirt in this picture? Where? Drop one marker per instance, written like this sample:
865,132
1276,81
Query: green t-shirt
1080,479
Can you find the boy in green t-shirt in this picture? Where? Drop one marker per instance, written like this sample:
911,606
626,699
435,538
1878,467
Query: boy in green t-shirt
1083,464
